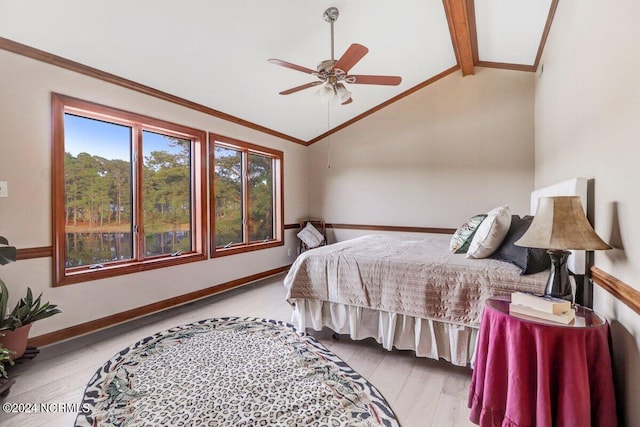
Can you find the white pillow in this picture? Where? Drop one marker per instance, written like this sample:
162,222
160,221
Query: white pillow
490,233
311,236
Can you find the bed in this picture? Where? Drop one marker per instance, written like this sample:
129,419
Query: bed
407,291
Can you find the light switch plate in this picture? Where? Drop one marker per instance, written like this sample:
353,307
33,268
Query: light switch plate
4,189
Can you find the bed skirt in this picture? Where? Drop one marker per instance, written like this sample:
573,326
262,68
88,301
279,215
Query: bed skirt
428,338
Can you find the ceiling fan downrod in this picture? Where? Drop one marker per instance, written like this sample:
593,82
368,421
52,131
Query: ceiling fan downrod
331,15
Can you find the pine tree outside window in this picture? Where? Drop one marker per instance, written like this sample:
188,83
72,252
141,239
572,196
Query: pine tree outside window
246,196
128,192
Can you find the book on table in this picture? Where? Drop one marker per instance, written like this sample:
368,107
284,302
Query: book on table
565,317
545,303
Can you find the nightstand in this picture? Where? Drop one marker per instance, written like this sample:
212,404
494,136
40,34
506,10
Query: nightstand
533,372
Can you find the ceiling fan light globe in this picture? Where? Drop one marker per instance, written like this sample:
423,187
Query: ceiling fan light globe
325,94
342,92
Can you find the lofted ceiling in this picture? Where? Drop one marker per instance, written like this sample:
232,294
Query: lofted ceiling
213,54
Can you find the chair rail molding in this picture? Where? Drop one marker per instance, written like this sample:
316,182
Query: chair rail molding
616,287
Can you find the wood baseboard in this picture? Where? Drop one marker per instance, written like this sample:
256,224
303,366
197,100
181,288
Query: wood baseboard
114,319
616,287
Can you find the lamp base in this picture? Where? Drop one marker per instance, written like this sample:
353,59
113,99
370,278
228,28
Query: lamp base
558,284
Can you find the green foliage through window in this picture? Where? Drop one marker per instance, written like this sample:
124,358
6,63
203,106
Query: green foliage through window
228,196
245,193
166,193
98,188
128,190
260,188
98,192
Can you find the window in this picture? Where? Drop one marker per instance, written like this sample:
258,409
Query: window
246,196
128,192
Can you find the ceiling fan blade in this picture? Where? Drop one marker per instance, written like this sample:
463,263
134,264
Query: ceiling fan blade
351,57
299,88
292,66
376,80
348,101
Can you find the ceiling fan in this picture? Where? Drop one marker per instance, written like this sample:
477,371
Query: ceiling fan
333,74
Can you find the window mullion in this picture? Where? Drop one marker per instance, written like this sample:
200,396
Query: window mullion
138,211
274,196
245,196
193,199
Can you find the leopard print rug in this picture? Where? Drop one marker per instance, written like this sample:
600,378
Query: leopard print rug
230,372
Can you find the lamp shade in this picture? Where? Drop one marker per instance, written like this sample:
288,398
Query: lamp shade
560,224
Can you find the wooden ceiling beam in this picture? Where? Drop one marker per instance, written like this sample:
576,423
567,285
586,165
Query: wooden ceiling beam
461,19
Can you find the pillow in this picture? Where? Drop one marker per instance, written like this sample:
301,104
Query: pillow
464,234
530,260
311,236
490,233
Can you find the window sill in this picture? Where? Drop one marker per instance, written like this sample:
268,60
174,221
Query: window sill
220,252
120,269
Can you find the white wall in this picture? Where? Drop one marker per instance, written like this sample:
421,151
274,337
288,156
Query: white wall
458,147
25,216
587,124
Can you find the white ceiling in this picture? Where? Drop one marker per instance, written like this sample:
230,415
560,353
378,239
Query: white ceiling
215,52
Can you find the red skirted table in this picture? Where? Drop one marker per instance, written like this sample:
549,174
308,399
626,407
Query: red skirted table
537,373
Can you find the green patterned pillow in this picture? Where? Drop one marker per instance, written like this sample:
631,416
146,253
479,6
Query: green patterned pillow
463,235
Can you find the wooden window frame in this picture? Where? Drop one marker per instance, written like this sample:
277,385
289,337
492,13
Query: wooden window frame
278,196
62,104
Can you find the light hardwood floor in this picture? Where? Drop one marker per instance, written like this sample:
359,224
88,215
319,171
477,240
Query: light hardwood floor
421,392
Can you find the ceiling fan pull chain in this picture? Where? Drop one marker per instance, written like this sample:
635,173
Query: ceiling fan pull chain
328,136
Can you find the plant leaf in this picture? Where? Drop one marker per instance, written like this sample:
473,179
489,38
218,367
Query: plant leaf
27,311
29,300
3,303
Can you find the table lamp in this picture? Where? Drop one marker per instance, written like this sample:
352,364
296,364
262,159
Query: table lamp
558,226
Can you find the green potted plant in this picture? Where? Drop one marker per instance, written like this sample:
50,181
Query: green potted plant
16,325
5,357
